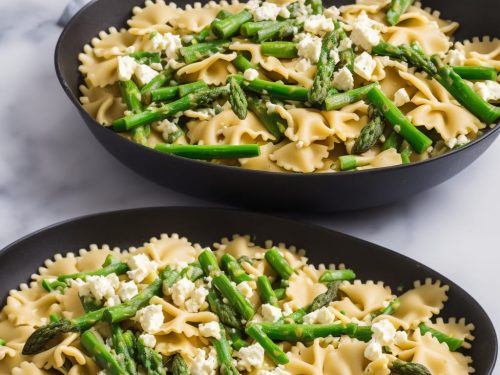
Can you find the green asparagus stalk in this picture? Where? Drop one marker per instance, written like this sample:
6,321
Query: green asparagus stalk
192,87
348,162
191,101
242,63
3,342
392,141
476,73
250,29
125,356
281,50
272,350
316,6
306,332
131,343
370,133
397,8
279,29
202,35
340,100
272,121
150,359
406,153
337,275
89,304
233,269
278,263
208,263
148,58
325,68
224,357
324,299
50,286
157,82
132,97
197,52
237,341
275,90
179,366
192,272
280,293
208,152
54,318
266,292
225,312
223,14
234,297
237,98
453,343
399,367
228,27
388,310
418,140
101,354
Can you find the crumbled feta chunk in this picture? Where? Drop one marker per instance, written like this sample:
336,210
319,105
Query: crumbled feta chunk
383,332
401,97
244,287
203,364
343,79
287,309
148,340
364,65
373,350
334,55
332,12
451,143
400,337
140,267
182,290
462,140
126,67
144,74
270,313
112,301
266,12
250,74
150,318
344,44
455,57
250,357
210,329
309,47
488,90
128,290
271,107
364,34
397,128
284,12
169,43
318,24
320,316
302,65
99,287
197,300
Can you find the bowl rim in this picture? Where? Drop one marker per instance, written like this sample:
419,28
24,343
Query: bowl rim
285,220
489,130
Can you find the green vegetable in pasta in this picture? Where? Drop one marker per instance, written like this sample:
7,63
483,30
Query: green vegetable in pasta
274,352
250,29
233,296
271,120
226,366
237,99
316,6
242,63
147,58
278,263
418,140
54,318
306,332
324,299
203,34
89,304
388,310
453,343
282,50
370,133
237,342
132,97
325,68
150,359
267,30
105,358
406,152
49,286
234,270
3,342
191,87
208,262
340,100
280,293
392,141
158,81
208,152
199,51
266,292
408,368
179,366
337,275
164,94
228,27
349,162
476,73
192,271
275,90
397,8
225,312
122,349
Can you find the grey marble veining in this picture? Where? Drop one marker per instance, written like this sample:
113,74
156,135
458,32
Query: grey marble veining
51,169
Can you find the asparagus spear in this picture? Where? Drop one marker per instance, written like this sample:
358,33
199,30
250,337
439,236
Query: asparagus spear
325,68
132,97
271,121
122,349
340,100
89,304
54,318
408,368
267,294
228,27
224,357
272,350
157,82
280,293
192,272
392,141
223,14
208,263
233,269
250,29
337,275
418,140
282,50
238,99
278,263
50,286
476,73
226,313
277,30
3,342
397,8
197,52
453,343
191,101
348,162
371,133
276,90
242,63
101,354
237,341
202,35
324,299
406,152
179,366
316,6
208,152
388,310
147,58
150,359
307,332
234,297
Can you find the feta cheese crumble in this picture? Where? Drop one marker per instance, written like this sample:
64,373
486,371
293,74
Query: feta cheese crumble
344,44
99,287
250,357
400,338
210,329
321,316
150,318
488,90
128,290
302,65
266,12
250,74
309,47
204,363
169,43
126,67
197,299
401,97
364,65
144,74
318,24
363,33
455,57
148,340
270,313
140,267
181,291
244,287
332,12
373,351
343,79
383,332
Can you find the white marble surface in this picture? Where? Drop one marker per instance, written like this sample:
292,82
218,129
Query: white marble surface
51,169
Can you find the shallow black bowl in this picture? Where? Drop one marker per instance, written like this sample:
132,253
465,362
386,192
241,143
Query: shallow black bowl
205,226
268,190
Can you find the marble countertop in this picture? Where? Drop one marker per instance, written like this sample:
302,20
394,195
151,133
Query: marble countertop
51,169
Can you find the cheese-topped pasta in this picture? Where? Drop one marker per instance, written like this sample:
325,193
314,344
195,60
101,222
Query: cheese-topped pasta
236,308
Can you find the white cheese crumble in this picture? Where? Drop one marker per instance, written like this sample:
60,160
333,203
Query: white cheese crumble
334,55
284,12
181,291
150,318
343,79
287,309
244,287
169,43
383,332
332,12
250,357
250,74
309,47
270,313
364,65
320,316
112,301
451,143
363,33
126,67
271,107
266,12
144,74
148,340
344,44
373,351
100,287
397,128
140,267
203,364
400,338
210,329
303,65
401,97
128,290
455,57
488,90
462,140
318,24
197,300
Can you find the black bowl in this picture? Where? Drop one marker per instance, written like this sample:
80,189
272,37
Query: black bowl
206,225
269,190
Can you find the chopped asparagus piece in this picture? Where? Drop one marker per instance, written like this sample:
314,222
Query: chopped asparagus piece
272,350
370,133
476,73
228,27
179,366
329,276
272,121
408,368
208,152
233,269
199,51
325,68
278,263
101,354
453,343
340,100
267,294
234,297
282,50
238,99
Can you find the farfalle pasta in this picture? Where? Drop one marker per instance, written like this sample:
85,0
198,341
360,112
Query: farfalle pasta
292,86
174,306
